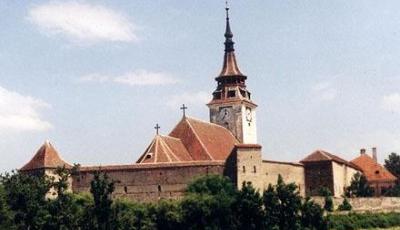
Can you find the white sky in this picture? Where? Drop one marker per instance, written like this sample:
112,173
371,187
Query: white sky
94,77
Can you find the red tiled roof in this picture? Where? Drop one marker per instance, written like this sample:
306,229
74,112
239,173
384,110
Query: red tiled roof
165,149
204,140
373,170
321,155
46,157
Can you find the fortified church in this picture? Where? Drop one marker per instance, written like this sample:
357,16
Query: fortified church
225,145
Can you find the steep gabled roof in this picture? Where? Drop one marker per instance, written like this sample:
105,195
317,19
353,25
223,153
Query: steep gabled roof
204,140
46,157
165,149
373,170
321,155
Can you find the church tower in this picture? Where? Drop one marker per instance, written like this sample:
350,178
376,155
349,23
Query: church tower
231,105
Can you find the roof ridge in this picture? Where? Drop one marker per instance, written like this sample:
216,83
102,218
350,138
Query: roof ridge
216,125
170,151
57,153
167,136
166,149
199,139
205,122
143,156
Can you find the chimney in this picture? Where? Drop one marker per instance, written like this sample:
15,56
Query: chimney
374,154
362,151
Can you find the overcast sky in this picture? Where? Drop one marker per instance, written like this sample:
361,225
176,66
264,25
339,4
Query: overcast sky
94,77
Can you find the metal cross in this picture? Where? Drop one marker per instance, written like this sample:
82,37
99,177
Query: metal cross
183,108
157,128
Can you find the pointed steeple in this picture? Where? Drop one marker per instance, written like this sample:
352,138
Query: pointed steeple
165,149
228,34
46,157
229,67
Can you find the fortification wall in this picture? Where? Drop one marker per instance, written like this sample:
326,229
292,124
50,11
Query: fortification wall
342,175
370,204
148,182
290,172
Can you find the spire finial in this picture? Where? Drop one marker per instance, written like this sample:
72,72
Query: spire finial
227,9
228,33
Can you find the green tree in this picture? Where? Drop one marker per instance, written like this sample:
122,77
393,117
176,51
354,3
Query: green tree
312,216
286,201
328,202
248,208
101,187
166,215
393,164
272,208
26,197
208,203
131,215
284,209
359,187
64,209
345,205
5,213
212,185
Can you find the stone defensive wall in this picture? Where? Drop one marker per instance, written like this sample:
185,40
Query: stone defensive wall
370,204
148,182
291,173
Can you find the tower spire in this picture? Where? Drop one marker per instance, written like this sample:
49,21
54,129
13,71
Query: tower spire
228,33
230,67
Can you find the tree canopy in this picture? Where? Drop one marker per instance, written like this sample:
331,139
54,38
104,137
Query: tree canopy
210,202
359,187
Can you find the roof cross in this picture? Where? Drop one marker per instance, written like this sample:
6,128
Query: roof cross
157,128
183,108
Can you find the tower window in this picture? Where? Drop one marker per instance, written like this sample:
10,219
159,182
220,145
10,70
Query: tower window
125,189
217,95
254,169
244,169
249,94
231,93
159,188
243,93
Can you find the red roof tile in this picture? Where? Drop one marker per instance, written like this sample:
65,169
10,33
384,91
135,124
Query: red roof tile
321,155
165,149
46,157
204,140
373,170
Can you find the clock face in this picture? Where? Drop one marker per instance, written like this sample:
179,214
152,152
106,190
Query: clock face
249,115
225,114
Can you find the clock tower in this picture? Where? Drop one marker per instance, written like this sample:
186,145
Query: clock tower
231,105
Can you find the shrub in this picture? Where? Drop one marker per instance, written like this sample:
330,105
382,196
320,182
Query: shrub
328,204
363,221
345,205
359,187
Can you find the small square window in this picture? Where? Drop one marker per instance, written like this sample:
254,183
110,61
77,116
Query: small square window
231,93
